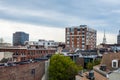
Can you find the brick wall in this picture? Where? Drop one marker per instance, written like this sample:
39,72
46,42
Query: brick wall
32,71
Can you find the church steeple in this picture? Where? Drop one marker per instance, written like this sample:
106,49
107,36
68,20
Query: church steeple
104,38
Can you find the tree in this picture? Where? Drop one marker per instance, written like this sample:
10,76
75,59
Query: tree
93,63
62,68
90,65
4,60
97,62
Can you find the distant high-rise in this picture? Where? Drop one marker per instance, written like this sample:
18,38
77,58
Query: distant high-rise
1,40
104,39
19,38
80,37
118,38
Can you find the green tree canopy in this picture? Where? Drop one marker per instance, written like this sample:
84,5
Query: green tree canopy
93,63
90,65
62,68
4,60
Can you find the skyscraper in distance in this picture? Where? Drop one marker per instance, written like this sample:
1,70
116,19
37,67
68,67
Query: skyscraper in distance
118,38
19,38
81,37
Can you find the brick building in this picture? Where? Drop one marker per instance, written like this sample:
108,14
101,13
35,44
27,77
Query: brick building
30,71
80,37
24,53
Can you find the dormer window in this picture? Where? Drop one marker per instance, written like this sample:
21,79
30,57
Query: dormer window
114,63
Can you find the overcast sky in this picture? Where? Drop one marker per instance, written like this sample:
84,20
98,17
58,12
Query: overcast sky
47,19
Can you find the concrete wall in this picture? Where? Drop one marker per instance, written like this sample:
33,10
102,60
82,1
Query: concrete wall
1,55
8,54
5,55
31,71
114,76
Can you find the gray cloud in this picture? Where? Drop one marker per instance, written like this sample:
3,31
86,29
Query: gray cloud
100,14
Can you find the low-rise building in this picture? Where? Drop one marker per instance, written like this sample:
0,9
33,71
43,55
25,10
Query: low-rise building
6,55
25,53
110,66
41,43
111,47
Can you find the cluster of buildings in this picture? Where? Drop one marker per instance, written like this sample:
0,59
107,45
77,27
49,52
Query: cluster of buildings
85,38
81,40
78,38
80,45
23,49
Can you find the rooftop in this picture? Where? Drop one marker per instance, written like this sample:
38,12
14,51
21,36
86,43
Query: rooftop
107,59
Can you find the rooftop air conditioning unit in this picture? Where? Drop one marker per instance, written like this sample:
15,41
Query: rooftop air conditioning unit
103,67
115,63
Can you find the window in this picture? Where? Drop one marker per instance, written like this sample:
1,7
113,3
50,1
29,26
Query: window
83,46
68,33
83,43
48,43
70,29
83,36
114,64
43,43
68,38
83,29
67,42
78,29
83,39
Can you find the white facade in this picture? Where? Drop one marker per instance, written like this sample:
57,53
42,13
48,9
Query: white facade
44,43
5,55
5,44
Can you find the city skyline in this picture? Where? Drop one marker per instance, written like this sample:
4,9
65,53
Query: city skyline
48,19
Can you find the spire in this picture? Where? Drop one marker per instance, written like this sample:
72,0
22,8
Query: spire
104,38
